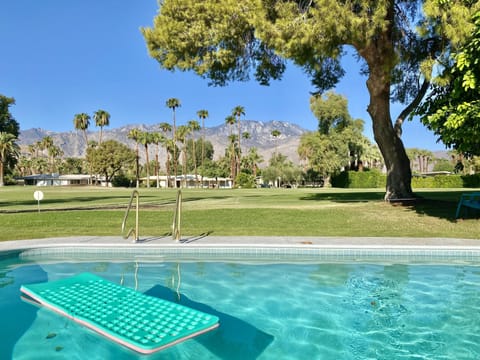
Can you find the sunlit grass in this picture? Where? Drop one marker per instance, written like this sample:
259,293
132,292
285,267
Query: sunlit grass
263,212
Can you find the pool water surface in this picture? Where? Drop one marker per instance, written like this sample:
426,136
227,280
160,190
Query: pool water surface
267,311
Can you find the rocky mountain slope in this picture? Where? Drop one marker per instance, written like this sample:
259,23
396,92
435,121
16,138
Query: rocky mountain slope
73,143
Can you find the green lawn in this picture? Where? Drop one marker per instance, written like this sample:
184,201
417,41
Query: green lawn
70,211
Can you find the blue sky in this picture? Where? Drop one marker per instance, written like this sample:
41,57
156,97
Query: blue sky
59,58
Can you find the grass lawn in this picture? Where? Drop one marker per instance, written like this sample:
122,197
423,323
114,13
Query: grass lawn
70,211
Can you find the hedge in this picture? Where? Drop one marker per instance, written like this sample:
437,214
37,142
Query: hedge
359,179
375,179
447,181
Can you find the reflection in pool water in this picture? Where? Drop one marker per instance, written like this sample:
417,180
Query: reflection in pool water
268,311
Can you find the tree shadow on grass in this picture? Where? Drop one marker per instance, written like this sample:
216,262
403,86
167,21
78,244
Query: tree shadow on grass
442,205
441,209
346,197
439,204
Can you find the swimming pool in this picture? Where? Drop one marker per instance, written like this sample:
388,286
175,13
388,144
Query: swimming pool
295,310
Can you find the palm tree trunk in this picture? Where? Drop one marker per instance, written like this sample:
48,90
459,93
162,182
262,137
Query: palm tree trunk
137,177
1,173
147,166
157,166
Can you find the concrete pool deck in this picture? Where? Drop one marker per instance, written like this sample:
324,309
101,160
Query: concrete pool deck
207,241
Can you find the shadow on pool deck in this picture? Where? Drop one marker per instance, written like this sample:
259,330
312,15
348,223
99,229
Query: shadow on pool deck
234,339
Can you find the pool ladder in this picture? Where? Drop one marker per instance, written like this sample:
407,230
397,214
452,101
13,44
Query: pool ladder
133,231
176,228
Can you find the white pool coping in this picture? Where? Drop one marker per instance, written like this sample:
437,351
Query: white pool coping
248,242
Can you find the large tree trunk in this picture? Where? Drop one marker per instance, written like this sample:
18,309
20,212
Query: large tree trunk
380,58
391,146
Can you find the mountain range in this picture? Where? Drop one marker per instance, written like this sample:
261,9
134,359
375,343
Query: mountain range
72,143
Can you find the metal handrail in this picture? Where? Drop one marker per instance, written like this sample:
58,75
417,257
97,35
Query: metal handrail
131,231
176,228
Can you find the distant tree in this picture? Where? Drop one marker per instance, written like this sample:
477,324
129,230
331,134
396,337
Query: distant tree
325,154
166,128
145,138
7,123
170,148
182,135
281,171
134,134
239,111
276,134
8,148
54,154
194,126
231,120
39,165
203,114
110,158
443,165
173,104
205,148
102,119
252,160
331,111
338,143
419,159
157,139
81,122
72,165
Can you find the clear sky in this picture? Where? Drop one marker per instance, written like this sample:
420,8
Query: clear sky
63,57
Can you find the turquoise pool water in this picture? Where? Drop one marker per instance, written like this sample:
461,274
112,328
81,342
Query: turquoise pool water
267,311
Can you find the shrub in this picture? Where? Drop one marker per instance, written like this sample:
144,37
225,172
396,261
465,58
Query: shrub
121,181
438,181
359,179
245,181
471,181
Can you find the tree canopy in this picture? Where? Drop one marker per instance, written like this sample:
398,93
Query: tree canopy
452,110
397,41
7,123
338,143
109,158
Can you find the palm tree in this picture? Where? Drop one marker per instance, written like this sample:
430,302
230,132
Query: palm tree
53,153
230,120
203,114
238,111
182,135
166,128
134,134
81,122
24,166
8,147
173,104
276,133
193,125
102,118
145,138
246,135
33,150
252,159
169,145
47,145
157,139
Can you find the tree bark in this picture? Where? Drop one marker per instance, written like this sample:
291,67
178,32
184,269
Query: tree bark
380,57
